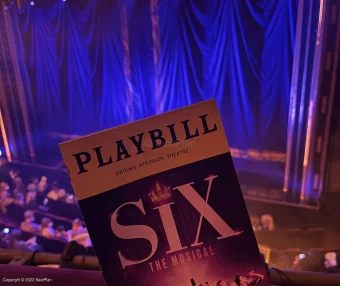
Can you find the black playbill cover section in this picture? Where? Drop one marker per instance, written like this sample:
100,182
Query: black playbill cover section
162,202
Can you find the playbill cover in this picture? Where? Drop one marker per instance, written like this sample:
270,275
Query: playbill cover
162,202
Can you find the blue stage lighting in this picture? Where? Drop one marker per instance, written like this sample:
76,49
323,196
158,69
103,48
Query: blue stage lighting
6,230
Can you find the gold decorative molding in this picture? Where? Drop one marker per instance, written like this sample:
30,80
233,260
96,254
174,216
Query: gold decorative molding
255,155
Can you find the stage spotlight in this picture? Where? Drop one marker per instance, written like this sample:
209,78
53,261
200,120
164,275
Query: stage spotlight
6,230
32,3
0,150
5,8
64,0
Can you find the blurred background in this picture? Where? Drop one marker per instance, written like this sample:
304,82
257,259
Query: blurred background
73,67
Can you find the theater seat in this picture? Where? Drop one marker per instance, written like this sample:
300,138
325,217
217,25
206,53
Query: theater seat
271,239
51,245
62,209
16,212
293,238
314,238
26,235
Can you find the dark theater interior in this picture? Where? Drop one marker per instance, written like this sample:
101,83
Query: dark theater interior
70,68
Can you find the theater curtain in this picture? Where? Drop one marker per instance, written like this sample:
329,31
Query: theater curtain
86,75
